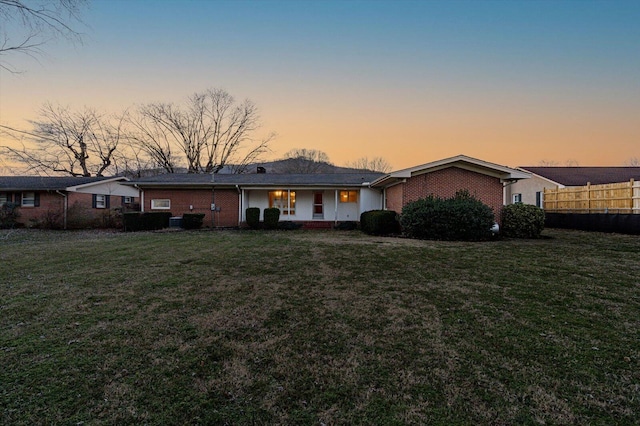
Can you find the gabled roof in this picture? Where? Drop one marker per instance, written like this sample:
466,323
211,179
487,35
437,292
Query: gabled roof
45,183
579,176
256,179
461,161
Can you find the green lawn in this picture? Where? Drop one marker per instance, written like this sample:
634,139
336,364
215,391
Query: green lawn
248,327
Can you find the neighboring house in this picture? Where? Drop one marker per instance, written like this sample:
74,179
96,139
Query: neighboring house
531,191
323,199
55,201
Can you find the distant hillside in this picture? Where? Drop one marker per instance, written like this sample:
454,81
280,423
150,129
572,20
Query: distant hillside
292,165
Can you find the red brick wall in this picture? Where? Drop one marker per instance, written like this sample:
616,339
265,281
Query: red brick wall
51,203
394,198
51,210
200,199
446,182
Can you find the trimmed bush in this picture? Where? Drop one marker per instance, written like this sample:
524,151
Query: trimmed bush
346,226
459,218
9,214
148,221
253,217
522,221
379,222
271,218
192,220
289,226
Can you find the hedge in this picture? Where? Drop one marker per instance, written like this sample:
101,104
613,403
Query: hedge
253,217
522,221
379,222
147,221
192,220
271,218
461,217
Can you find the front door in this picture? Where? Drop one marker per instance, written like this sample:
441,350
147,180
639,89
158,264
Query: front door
318,212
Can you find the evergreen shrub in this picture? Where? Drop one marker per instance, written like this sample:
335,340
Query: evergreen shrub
522,221
253,217
192,220
459,218
271,217
379,222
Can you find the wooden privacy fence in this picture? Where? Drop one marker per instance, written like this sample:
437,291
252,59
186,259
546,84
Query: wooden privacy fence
623,197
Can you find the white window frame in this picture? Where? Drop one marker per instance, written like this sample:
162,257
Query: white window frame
157,204
28,201
4,198
128,200
101,201
517,198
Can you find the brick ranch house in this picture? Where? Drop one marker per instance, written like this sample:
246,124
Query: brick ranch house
321,200
65,201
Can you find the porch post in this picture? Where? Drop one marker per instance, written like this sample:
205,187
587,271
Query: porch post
336,207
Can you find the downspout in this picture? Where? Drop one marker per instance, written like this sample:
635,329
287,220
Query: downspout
240,204
64,209
141,192
213,204
504,190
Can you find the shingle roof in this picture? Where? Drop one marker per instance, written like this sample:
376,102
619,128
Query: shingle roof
259,179
43,183
579,176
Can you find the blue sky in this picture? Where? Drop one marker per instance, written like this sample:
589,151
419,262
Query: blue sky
513,82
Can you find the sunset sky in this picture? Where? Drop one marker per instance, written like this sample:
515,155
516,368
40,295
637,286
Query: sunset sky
510,82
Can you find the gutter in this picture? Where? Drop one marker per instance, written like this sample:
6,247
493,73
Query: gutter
64,214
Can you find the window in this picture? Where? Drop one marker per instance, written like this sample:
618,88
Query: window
100,203
517,198
127,200
539,199
4,198
348,196
161,204
284,200
28,199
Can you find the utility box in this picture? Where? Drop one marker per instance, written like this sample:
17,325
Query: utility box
175,222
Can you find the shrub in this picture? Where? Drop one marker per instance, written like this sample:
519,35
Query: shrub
271,218
346,226
192,220
379,222
147,221
289,226
253,217
9,214
155,220
522,221
461,217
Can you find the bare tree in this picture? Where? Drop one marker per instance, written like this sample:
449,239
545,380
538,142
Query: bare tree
547,163
632,162
305,161
61,141
26,25
209,132
375,164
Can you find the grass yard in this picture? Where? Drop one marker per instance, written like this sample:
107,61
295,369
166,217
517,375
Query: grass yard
317,328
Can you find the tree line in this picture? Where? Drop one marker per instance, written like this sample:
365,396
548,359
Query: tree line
209,132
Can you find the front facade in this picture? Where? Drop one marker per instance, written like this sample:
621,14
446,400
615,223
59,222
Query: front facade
316,200
322,200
